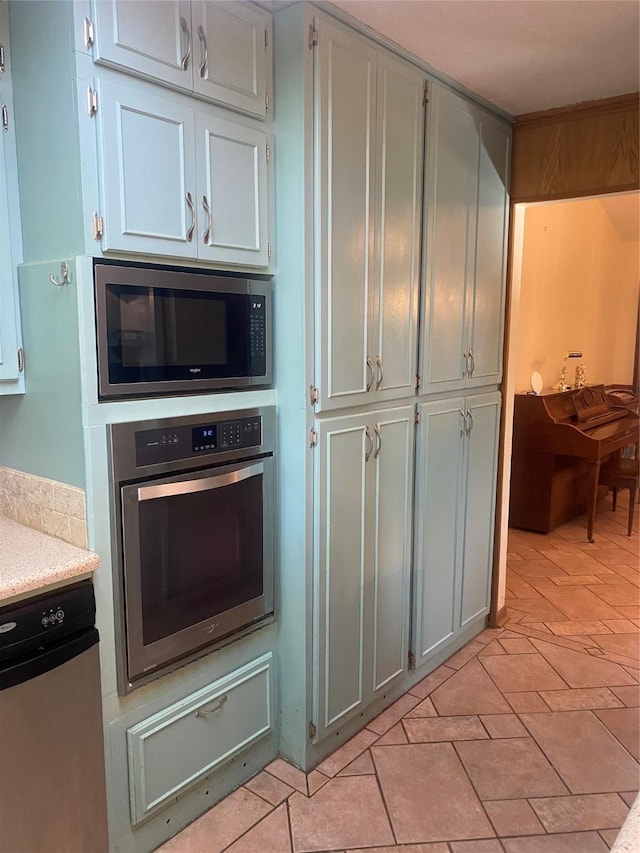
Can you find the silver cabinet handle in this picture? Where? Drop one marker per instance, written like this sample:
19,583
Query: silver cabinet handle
376,429
368,452
470,422
473,363
207,712
205,53
380,372
464,422
184,62
193,217
371,373
207,210
465,371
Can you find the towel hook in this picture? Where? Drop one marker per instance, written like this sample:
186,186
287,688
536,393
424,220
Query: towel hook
64,272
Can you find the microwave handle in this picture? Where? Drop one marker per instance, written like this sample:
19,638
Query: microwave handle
165,490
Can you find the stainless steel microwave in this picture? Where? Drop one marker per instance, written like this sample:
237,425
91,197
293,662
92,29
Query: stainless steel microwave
175,330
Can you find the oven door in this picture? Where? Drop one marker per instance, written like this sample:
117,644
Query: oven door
197,554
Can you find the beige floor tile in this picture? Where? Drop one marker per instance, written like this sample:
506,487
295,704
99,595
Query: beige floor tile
425,709
423,688
580,603
579,813
539,568
271,835
576,627
576,562
580,699
629,611
346,812
629,696
437,847
288,774
620,644
624,725
394,736
518,647
522,672
393,714
360,766
315,781
611,555
268,787
470,691
513,817
526,702
619,593
509,769
589,759
570,842
464,655
609,836
581,670
338,760
503,725
629,797
444,729
620,626
488,846
492,648
428,794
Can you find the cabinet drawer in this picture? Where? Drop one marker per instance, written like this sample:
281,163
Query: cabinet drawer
175,748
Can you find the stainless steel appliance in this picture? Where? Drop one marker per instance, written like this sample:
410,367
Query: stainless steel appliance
193,530
167,330
52,782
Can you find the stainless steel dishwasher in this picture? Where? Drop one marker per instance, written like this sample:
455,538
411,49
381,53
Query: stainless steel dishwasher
52,780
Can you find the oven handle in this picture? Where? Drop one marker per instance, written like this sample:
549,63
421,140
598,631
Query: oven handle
165,490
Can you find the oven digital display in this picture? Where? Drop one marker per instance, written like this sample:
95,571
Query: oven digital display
204,437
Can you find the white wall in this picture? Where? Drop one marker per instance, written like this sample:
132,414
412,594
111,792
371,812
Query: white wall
579,291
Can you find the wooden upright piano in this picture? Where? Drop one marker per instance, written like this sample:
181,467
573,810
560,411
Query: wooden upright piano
559,441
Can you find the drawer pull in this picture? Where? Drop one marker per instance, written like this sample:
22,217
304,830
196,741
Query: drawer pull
207,712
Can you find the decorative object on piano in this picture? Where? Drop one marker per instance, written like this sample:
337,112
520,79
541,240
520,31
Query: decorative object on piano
561,384
537,383
581,376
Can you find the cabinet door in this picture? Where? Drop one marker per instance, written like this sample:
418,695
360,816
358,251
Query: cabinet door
437,554
486,307
151,38
393,489
397,230
232,50
147,171
345,69
233,223
480,503
343,560
450,204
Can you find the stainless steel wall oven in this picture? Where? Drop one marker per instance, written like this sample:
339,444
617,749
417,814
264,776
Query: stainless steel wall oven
193,534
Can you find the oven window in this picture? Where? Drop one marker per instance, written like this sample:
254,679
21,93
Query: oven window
201,554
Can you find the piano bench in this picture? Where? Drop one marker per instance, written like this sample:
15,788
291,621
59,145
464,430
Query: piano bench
621,474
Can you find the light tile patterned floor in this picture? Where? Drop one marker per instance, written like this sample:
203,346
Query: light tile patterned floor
524,741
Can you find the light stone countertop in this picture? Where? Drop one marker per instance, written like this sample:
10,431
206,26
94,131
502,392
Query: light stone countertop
32,562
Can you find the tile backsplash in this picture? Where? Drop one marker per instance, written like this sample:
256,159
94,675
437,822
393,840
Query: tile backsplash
46,505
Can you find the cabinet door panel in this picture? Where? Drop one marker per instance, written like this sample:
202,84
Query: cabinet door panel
233,70
232,163
481,462
147,37
345,126
342,559
147,169
437,551
392,543
487,308
399,200
450,198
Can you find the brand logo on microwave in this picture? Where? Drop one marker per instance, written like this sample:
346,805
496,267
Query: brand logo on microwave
210,628
195,370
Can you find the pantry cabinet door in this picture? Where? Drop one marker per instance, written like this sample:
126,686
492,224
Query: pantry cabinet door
450,206
437,544
398,207
391,534
147,171
483,423
345,92
486,305
232,205
342,568
232,54
151,38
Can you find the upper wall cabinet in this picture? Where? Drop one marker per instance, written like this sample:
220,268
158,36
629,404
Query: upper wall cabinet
221,51
181,182
369,133
466,211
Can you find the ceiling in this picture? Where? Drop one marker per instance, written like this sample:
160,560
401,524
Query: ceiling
520,55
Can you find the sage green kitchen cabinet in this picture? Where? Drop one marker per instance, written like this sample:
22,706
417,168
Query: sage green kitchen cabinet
11,365
220,51
179,181
456,463
369,131
364,478
465,242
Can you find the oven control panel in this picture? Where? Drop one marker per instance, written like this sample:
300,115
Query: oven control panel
154,446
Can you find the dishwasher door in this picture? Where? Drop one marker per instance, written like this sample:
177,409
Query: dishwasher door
52,779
